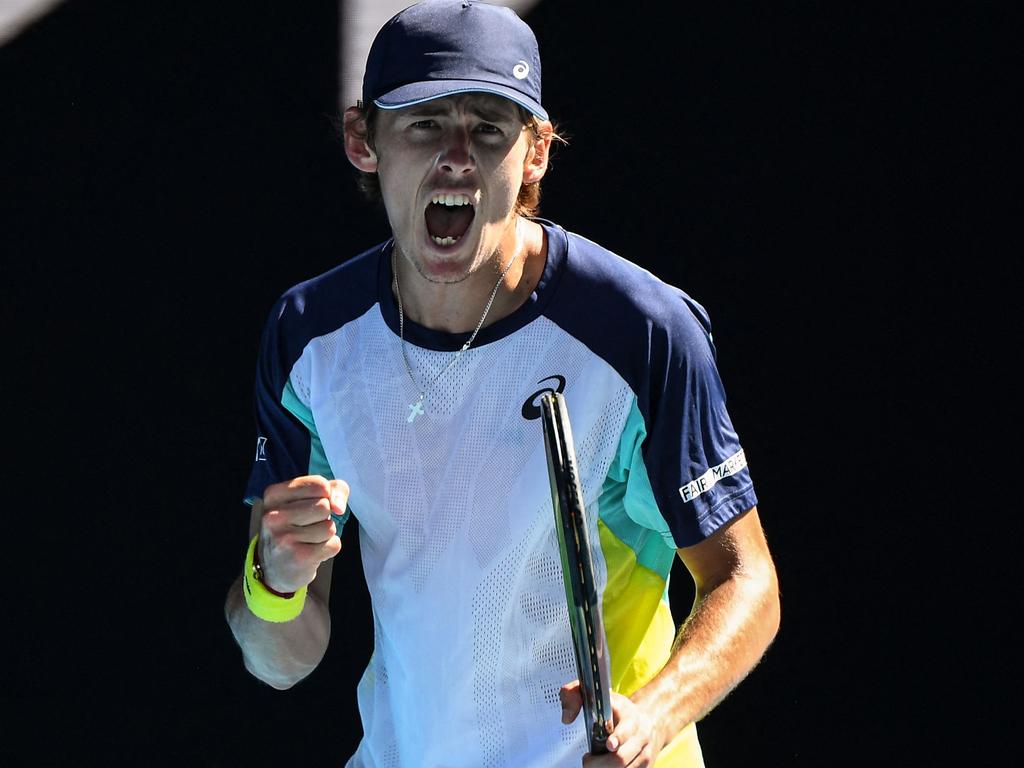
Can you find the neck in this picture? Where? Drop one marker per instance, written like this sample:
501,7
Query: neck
457,307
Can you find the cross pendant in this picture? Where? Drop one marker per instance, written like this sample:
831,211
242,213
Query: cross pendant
416,409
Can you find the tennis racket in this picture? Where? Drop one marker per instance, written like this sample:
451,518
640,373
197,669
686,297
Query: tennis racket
577,570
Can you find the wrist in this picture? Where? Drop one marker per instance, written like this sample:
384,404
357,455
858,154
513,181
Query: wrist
264,602
261,576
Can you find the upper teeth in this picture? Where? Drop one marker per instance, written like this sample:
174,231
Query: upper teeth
449,199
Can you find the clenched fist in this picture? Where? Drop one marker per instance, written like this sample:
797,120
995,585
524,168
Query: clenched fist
296,529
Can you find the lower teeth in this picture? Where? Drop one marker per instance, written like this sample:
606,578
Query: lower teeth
444,240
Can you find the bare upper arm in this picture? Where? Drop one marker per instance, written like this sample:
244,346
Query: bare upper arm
738,548
321,584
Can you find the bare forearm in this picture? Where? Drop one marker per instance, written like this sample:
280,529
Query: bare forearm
279,654
724,637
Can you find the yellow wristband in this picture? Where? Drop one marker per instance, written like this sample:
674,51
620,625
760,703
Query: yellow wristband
264,603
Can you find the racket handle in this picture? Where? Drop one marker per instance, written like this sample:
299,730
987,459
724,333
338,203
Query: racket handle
599,740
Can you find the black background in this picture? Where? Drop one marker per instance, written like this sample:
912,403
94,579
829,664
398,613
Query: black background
828,179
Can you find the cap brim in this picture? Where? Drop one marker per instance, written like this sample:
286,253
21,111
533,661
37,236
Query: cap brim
417,93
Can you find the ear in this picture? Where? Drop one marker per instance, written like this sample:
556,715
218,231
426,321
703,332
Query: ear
536,163
359,153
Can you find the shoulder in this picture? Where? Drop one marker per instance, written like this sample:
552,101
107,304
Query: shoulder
321,305
332,298
601,287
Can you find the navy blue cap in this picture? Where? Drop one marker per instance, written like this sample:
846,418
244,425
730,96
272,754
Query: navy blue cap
440,47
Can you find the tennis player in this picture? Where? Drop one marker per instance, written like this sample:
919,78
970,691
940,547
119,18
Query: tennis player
402,388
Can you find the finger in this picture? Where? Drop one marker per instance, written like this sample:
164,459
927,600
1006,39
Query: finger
625,724
621,735
331,548
295,565
319,532
339,496
299,512
630,741
572,701
311,555
305,487
628,754
634,752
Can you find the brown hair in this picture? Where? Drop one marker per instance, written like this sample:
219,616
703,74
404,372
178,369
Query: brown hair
528,200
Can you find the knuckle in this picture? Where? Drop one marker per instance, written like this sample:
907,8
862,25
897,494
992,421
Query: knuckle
333,546
285,542
341,489
268,529
273,490
271,518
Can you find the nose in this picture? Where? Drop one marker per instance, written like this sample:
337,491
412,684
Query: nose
456,156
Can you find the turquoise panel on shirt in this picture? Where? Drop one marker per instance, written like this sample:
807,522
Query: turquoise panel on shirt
318,464
627,504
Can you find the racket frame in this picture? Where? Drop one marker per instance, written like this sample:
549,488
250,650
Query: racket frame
584,608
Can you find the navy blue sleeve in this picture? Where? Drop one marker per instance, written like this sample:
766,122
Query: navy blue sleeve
693,456
284,444
282,440
659,340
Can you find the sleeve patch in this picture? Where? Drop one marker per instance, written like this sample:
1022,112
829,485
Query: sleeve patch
709,479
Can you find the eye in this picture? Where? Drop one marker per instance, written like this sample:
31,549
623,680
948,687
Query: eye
423,125
491,132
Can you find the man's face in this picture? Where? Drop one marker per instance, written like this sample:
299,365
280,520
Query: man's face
450,172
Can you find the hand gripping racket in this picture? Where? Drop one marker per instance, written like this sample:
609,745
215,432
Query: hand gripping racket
577,570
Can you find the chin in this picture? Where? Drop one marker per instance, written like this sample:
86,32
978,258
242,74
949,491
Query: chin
445,264
436,270
443,273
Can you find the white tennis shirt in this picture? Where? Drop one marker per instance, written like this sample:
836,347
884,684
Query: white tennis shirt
472,639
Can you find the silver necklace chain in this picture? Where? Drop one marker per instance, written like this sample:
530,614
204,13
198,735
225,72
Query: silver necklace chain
416,407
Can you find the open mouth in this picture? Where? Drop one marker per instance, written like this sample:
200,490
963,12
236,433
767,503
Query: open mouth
448,217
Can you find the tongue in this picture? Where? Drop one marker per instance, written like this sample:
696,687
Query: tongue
443,221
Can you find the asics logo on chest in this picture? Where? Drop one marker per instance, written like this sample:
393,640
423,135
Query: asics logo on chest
531,408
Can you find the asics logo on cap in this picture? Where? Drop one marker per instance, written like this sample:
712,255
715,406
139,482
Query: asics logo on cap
521,70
